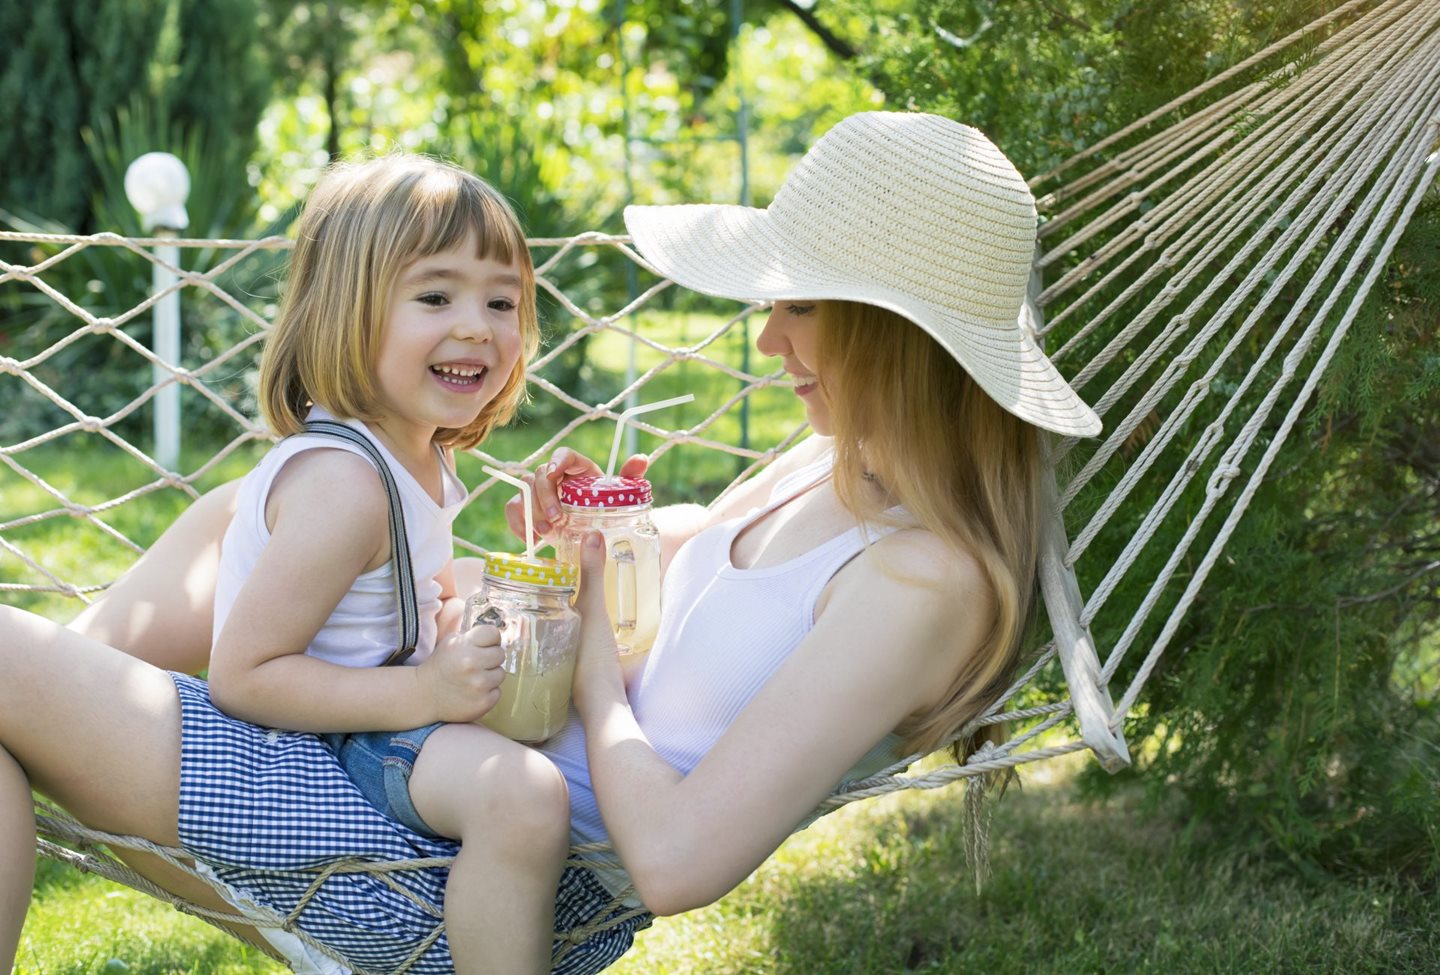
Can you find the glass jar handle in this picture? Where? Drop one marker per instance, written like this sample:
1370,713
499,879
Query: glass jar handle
479,611
622,553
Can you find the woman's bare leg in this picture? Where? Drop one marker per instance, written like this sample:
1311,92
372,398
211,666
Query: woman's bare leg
17,855
161,610
98,732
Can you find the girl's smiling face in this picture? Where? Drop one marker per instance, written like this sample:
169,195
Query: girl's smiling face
792,332
450,341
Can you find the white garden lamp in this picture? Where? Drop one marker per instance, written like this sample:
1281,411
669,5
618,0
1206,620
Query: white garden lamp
158,185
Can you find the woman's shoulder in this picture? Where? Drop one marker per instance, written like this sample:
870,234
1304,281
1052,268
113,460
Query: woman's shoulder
928,569
808,451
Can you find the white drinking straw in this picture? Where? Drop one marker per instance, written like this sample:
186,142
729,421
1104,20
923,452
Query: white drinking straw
624,418
530,545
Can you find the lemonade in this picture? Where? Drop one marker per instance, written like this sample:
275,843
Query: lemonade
619,508
528,599
533,705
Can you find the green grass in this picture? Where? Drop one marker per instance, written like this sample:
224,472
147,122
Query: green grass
80,924
882,886
90,472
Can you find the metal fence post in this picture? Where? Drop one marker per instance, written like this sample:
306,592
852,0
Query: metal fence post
158,185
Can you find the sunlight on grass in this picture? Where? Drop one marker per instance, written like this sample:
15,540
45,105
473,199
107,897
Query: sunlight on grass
89,472
882,886
81,925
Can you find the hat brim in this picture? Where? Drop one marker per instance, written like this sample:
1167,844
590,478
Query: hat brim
742,253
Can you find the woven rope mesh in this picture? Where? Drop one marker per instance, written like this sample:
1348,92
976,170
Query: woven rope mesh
1197,270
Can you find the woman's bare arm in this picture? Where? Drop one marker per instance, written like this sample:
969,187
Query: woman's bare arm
881,650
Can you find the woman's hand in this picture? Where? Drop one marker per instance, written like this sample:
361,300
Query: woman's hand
545,489
597,671
461,679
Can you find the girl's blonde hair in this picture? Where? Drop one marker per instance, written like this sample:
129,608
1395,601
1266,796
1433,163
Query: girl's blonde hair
362,225
965,470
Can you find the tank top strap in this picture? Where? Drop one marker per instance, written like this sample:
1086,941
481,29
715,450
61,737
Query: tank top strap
786,489
829,557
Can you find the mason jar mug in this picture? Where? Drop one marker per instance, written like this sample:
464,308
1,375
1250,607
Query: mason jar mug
620,509
529,600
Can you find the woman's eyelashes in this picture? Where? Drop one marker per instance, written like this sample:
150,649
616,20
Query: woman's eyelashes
799,309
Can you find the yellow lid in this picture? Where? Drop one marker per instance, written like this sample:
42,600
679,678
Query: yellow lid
535,571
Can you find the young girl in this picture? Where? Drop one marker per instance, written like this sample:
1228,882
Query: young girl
406,323
409,315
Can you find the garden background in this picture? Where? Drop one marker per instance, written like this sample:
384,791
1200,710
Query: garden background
1283,813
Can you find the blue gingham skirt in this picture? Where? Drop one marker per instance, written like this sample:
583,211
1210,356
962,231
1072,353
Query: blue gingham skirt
267,811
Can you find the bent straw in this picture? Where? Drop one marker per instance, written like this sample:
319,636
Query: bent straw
530,546
625,417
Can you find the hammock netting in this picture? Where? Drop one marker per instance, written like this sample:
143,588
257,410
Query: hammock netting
1196,273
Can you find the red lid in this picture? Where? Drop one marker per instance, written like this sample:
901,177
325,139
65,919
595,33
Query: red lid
598,491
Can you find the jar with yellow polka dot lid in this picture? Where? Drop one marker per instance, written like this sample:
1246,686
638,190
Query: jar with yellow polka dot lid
528,599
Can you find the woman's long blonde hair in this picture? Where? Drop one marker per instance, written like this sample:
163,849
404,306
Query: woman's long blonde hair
362,225
963,468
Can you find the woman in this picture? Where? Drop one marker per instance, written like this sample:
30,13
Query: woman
862,598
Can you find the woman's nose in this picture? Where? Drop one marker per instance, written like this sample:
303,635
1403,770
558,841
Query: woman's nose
771,340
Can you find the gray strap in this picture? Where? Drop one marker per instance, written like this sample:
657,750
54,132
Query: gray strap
399,545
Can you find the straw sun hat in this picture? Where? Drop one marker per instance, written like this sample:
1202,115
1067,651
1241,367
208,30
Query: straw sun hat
911,212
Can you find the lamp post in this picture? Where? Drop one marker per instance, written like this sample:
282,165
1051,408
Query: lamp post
158,185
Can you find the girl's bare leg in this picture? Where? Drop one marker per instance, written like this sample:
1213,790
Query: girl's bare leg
161,609
508,807
98,732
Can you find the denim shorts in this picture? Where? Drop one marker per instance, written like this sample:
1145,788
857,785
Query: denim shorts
380,763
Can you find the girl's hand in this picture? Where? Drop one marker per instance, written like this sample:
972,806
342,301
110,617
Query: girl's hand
461,679
545,489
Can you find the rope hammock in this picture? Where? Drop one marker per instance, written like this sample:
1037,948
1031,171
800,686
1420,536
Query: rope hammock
1197,271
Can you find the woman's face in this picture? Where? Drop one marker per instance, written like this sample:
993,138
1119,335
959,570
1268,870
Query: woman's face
793,333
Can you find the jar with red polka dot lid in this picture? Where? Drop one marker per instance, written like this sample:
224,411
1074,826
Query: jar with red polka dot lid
620,509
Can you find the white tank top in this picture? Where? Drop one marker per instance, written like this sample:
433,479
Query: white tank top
364,629
724,631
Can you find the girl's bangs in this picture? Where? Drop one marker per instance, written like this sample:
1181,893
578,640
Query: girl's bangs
450,209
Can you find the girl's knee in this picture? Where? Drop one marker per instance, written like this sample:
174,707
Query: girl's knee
532,800
468,781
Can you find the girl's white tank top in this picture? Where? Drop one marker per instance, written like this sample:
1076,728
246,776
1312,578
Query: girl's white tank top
724,631
364,629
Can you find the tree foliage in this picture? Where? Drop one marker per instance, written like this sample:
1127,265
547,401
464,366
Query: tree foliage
70,68
1296,709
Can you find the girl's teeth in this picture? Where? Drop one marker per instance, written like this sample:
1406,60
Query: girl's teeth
453,371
